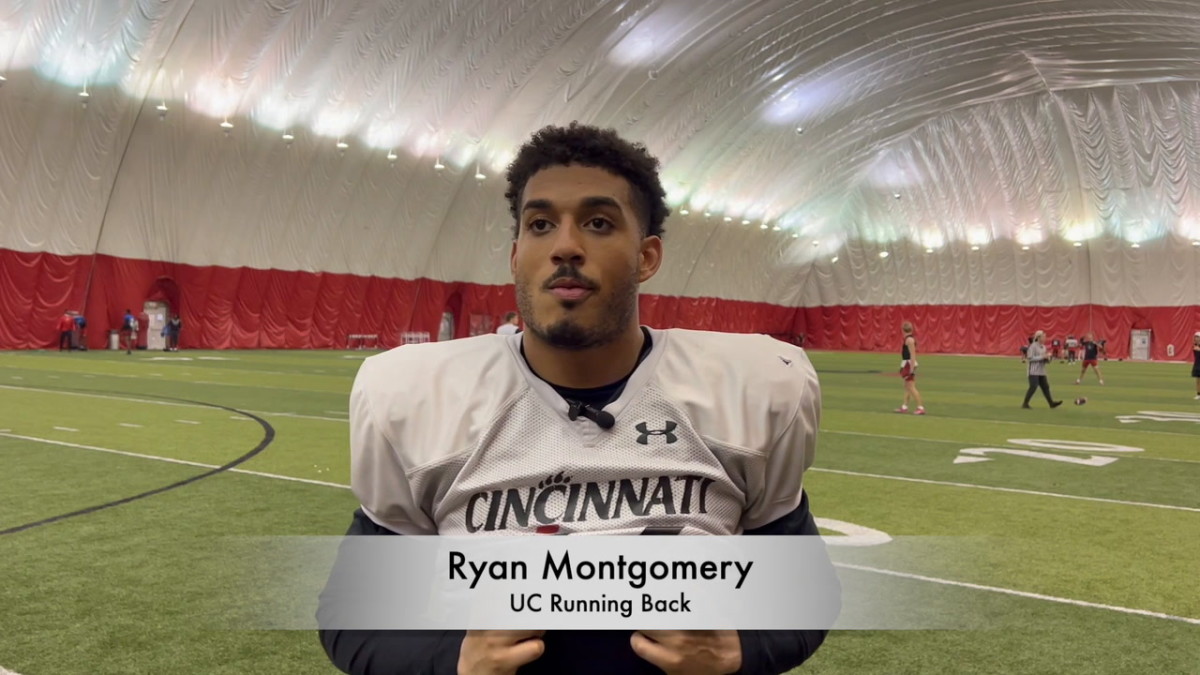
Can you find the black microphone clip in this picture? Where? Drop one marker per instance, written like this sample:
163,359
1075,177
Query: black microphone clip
602,419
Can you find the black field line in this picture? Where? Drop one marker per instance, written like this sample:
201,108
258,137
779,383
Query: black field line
268,436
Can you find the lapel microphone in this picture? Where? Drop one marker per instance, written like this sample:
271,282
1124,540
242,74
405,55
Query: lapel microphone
602,419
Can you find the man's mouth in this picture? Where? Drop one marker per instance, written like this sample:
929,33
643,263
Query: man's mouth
569,289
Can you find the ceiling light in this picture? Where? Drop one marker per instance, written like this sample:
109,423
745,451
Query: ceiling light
1135,245
795,235
799,130
391,156
84,94
816,242
287,136
1078,244
745,222
975,248
929,250
479,174
707,214
1025,248
3,79
1196,243
895,195
763,226
684,212
342,145
226,125
438,166
833,259
883,254
777,228
161,107
728,219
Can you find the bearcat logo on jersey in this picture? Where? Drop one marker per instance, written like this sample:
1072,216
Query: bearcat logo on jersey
557,499
647,432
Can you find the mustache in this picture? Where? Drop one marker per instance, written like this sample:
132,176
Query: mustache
572,273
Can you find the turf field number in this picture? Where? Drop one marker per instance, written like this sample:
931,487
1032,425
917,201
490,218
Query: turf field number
1159,416
972,455
968,455
855,535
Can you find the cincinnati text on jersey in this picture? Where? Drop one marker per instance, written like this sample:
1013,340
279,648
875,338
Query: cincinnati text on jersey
557,500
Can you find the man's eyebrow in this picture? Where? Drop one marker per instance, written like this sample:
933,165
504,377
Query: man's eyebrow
535,204
588,202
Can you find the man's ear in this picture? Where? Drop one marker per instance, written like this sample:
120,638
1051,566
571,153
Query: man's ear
512,260
650,258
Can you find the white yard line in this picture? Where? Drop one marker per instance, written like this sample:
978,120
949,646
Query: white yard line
129,426
1038,493
876,570
65,429
171,460
6,671
968,443
135,399
1021,594
187,421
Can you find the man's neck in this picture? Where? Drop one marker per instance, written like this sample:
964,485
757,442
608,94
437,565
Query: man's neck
587,368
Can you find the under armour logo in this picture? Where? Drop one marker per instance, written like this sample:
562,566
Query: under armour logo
644,438
786,362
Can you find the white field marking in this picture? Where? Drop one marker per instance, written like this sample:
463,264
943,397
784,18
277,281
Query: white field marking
855,535
337,412
172,460
1021,594
239,417
1061,426
65,429
979,455
54,377
216,358
187,421
6,671
17,377
134,399
942,440
130,426
949,582
994,488
170,358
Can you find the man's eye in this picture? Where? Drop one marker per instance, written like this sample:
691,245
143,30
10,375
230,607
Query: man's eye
600,223
540,225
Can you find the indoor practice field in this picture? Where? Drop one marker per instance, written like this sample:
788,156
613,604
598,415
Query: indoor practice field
1098,572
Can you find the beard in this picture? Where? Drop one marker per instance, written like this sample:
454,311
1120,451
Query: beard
614,314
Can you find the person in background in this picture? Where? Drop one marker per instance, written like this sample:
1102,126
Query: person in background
80,332
1091,357
171,330
129,330
908,370
66,331
511,325
1196,362
1038,358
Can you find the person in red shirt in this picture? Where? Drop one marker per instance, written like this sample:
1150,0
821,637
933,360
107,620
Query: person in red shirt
66,328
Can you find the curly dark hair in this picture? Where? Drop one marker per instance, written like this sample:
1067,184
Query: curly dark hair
595,147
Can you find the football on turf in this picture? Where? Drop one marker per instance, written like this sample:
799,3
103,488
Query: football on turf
1080,401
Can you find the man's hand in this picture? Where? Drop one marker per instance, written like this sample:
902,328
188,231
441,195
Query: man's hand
498,652
690,652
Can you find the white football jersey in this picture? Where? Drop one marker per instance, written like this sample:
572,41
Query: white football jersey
712,435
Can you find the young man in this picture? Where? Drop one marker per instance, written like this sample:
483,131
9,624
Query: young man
908,370
511,325
1038,358
1091,357
588,394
